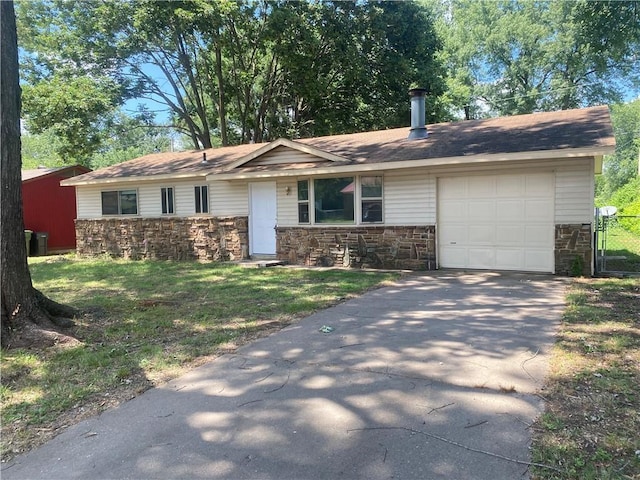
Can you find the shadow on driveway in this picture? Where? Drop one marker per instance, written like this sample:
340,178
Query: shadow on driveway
434,377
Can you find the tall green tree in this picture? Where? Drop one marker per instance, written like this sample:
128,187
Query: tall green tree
624,165
243,71
349,65
27,318
520,56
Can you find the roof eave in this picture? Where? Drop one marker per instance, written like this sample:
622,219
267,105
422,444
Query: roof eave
72,182
431,162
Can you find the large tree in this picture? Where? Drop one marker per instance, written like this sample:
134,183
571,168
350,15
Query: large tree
624,165
521,56
242,71
27,317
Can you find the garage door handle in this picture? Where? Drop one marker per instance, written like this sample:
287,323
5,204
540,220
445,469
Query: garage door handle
453,243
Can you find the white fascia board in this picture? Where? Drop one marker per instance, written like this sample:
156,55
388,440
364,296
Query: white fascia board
371,167
137,179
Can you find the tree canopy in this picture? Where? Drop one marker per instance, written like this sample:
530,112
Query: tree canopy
508,57
237,71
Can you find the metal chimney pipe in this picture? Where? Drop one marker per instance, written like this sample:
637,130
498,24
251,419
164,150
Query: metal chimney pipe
418,127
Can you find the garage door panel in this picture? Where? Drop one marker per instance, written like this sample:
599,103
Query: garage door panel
503,222
538,235
509,259
481,187
482,258
452,188
455,210
512,235
482,210
452,234
508,211
454,257
481,234
509,185
537,260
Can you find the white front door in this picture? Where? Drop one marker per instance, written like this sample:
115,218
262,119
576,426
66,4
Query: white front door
262,218
500,222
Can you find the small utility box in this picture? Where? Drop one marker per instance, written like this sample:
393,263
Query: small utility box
42,238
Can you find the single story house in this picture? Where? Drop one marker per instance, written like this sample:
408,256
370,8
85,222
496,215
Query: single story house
50,209
512,193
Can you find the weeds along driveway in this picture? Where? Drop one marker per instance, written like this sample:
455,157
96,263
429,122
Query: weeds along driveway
434,377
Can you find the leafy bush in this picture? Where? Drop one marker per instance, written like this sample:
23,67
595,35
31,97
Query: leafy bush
631,224
627,194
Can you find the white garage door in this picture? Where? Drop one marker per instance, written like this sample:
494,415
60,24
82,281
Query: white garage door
497,222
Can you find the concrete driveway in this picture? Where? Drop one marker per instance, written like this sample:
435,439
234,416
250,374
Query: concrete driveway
434,377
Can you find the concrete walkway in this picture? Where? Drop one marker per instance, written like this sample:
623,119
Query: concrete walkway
432,378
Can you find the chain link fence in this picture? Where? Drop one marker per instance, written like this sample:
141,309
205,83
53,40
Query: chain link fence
617,243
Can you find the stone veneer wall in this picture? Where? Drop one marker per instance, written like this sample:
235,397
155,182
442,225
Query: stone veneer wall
170,238
573,249
407,247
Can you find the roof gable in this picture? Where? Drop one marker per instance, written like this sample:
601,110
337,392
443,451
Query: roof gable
278,153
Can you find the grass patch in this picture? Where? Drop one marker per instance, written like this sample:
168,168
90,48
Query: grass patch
592,419
624,249
144,323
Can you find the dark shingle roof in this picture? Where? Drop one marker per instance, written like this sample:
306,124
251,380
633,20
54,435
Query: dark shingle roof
587,128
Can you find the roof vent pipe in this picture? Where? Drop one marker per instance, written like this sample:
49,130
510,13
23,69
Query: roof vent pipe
418,127
204,158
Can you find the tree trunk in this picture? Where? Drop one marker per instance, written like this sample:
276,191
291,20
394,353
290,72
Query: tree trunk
26,316
222,111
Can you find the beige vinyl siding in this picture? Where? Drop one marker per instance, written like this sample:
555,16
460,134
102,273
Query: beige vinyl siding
149,202
409,197
574,192
228,198
89,202
89,199
184,197
287,203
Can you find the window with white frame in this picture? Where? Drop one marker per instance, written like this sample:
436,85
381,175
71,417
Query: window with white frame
371,199
166,197
303,201
202,198
120,202
333,200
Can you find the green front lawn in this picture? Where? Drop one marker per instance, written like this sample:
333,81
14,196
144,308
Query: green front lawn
590,429
144,323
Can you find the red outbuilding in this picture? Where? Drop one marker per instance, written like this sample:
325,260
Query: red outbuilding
49,208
